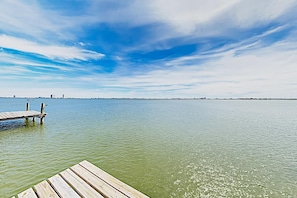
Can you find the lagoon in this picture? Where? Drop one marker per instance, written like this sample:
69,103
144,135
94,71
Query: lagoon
163,148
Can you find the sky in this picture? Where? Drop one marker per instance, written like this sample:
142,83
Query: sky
148,49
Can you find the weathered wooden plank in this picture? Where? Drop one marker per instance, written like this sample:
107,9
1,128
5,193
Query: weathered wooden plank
96,182
27,194
79,184
44,190
117,184
62,188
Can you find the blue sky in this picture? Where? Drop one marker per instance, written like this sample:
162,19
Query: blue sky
152,49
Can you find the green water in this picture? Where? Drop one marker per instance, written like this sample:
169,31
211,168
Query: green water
164,148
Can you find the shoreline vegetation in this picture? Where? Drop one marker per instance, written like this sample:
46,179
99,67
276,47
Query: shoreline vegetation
202,98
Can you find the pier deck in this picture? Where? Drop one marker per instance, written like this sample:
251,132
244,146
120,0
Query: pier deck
24,114
20,114
81,180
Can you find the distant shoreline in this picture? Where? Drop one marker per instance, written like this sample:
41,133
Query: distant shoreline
204,98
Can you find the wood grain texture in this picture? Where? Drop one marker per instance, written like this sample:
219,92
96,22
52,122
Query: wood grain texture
44,190
27,194
84,189
62,188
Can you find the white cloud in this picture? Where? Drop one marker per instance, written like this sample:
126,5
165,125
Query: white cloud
25,17
186,15
6,71
50,51
266,72
211,18
249,13
194,16
32,20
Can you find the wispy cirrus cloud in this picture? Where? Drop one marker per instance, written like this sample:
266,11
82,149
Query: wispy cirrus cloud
268,71
50,51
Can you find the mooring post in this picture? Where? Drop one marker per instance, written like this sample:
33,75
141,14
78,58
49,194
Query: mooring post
42,113
27,109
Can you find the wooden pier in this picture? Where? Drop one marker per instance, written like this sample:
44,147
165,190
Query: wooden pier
81,180
24,114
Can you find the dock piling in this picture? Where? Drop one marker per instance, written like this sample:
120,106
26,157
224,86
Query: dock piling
42,113
27,109
27,106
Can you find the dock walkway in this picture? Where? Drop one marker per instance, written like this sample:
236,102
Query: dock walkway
24,114
20,114
81,180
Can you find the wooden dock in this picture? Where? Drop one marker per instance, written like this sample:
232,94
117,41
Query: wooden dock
81,180
24,114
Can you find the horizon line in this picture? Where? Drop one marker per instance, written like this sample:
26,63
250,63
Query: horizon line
147,98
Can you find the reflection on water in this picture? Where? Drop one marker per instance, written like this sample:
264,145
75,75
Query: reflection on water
16,124
9,125
164,148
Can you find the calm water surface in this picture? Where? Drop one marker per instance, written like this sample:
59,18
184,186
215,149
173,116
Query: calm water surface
164,148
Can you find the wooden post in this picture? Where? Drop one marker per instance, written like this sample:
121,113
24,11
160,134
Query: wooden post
27,109
42,113
42,108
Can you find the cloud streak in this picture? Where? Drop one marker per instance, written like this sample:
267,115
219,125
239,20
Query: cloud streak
50,51
265,71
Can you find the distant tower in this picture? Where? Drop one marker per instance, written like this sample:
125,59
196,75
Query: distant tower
51,95
63,96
